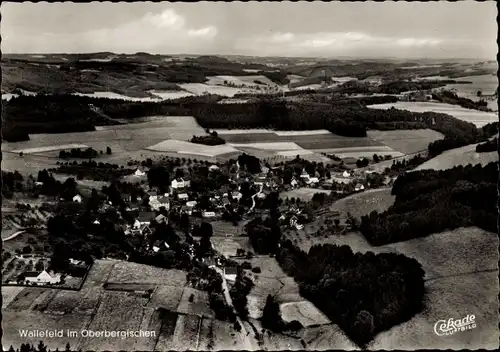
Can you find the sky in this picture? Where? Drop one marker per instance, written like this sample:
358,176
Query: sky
441,29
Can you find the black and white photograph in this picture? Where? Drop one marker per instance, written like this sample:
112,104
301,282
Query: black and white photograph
249,176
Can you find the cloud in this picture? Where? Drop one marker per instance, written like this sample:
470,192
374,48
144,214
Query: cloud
166,19
207,32
166,31
330,43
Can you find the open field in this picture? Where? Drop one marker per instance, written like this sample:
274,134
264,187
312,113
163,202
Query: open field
304,311
222,228
191,148
50,148
406,141
95,308
241,80
459,156
127,272
451,297
219,335
202,88
274,146
167,297
112,95
327,337
364,203
479,118
228,246
9,293
167,95
303,193
199,306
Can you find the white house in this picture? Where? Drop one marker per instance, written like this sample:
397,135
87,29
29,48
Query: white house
77,198
180,183
191,203
156,204
139,172
213,168
96,222
208,214
230,273
312,180
359,187
346,174
304,174
294,182
43,277
155,249
183,196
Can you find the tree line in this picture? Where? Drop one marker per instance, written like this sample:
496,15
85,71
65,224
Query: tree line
430,201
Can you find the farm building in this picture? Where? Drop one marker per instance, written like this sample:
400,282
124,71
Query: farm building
230,273
183,196
186,210
191,203
139,172
77,198
42,277
346,174
213,168
359,187
312,181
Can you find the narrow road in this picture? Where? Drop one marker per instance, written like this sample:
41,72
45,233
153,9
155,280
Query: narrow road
14,235
249,345
253,198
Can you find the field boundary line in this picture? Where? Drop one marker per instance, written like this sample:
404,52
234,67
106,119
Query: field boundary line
461,274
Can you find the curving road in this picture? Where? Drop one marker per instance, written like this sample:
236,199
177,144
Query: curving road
14,235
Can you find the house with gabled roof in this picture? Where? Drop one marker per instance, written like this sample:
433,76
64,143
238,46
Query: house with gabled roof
41,277
139,172
157,203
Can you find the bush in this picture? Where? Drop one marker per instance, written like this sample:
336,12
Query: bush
256,270
246,265
294,325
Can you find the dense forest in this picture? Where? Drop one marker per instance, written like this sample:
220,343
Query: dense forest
488,146
363,293
453,98
430,201
212,139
